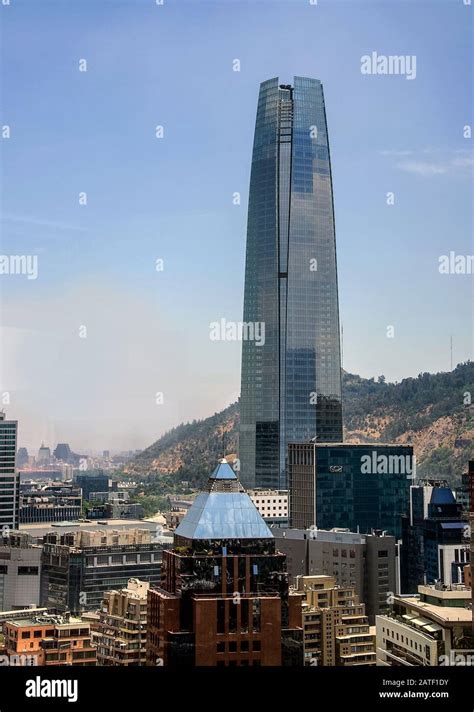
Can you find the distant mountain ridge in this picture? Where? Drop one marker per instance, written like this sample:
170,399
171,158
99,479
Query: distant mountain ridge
431,411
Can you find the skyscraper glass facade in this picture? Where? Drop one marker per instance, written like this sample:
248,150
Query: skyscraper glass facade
291,383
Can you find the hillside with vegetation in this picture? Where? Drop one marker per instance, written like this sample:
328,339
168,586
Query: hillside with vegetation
432,411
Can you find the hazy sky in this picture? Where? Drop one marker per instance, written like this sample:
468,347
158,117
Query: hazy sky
171,198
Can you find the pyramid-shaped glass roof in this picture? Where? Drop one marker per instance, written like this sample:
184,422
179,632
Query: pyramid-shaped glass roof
224,512
223,471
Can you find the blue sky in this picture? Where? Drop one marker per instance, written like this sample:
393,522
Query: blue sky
171,198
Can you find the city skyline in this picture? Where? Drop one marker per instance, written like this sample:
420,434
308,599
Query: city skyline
147,331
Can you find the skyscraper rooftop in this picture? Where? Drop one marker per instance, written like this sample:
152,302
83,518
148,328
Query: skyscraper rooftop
224,512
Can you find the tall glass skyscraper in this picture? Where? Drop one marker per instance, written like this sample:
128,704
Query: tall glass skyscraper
291,378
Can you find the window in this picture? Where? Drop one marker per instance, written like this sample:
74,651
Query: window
37,634
256,646
26,634
244,646
256,614
221,647
221,616
244,615
27,571
232,646
232,617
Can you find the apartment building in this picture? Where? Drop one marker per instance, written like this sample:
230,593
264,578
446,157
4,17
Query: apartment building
120,635
367,562
431,628
20,571
272,505
49,640
336,629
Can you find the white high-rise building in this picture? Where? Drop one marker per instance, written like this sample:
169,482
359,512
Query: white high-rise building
9,477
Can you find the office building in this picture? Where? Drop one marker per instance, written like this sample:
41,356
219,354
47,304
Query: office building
49,640
116,509
63,453
431,628
358,487
120,496
114,505
47,473
49,503
44,455
79,567
465,493
120,635
22,457
272,505
291,366
20,571
436,544
366,562
9,477
39,531
178,509
224,597
91,482
174,517
336,630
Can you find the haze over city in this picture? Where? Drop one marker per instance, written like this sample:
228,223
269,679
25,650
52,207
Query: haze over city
173,199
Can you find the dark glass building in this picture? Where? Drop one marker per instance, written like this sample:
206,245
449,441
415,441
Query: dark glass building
291,378
356,487
79,567
436,545
224,597
92,482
